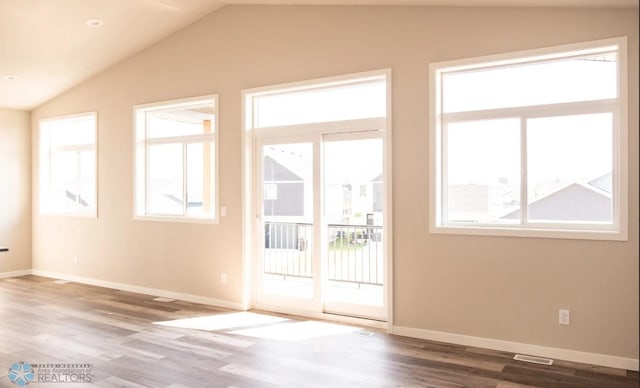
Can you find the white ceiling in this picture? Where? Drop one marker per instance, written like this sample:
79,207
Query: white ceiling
46,44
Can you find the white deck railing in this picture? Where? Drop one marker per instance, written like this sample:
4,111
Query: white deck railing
354,253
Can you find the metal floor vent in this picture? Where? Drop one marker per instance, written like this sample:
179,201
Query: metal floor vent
534,360
160,299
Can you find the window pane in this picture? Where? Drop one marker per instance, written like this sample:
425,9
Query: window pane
289,167
322,105
568,80
87,179
64,188
72,131
187,120
483,171
570,168
353,182
165,179
200,182
68,175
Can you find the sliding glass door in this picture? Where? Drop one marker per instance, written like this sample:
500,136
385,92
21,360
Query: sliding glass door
321,225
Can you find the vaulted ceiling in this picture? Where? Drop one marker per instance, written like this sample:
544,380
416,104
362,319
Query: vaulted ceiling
48,46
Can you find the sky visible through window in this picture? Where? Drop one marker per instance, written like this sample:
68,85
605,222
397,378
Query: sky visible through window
483,157
581,79
68,164
343,102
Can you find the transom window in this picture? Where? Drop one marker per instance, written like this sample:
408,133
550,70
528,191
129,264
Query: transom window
68,165
531,143
176,144
352,99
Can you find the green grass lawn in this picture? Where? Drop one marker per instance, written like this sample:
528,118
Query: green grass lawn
342,244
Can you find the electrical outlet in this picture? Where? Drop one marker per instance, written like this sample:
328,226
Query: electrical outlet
223,278
564,317
223,211
75,259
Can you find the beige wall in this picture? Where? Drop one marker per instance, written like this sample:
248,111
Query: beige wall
501,288
15,190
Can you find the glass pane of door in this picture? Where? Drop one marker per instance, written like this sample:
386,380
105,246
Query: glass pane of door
287,220
353,212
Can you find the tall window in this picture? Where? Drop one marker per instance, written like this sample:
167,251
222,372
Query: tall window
175,175
531,143
68,165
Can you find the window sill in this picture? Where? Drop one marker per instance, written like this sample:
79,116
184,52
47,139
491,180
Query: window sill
181,219
93,215
512,231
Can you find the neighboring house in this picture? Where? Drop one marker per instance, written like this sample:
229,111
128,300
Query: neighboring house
75,198
465,201
574,202
366,204
378,198
284,190
339,200
287,191
603,183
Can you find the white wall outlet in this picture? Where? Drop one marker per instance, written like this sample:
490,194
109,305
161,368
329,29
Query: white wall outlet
75,259
223,278
564,317
223,211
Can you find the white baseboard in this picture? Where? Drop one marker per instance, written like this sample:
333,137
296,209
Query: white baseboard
140,290
517,347
15,274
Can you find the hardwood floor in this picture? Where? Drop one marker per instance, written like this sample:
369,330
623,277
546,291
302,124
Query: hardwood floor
130,340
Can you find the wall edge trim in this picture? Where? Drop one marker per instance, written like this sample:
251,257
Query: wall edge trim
141,290
15,274
519,347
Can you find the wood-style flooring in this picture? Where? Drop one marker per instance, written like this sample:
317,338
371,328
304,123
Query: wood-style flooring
131,340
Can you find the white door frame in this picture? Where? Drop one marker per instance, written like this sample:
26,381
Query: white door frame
249,220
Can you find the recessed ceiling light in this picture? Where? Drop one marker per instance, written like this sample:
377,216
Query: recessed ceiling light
94,23
9,77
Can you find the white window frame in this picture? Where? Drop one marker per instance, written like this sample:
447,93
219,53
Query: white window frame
141,143
46,153
618,229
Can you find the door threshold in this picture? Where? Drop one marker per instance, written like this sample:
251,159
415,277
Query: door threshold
331,317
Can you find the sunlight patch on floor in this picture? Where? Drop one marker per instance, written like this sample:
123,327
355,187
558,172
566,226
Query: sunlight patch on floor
296,331
223,321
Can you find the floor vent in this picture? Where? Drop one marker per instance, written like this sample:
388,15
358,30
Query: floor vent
160,299
60,281
534,360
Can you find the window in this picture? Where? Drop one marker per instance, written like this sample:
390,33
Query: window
68,165
531,143
176,152
353,99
